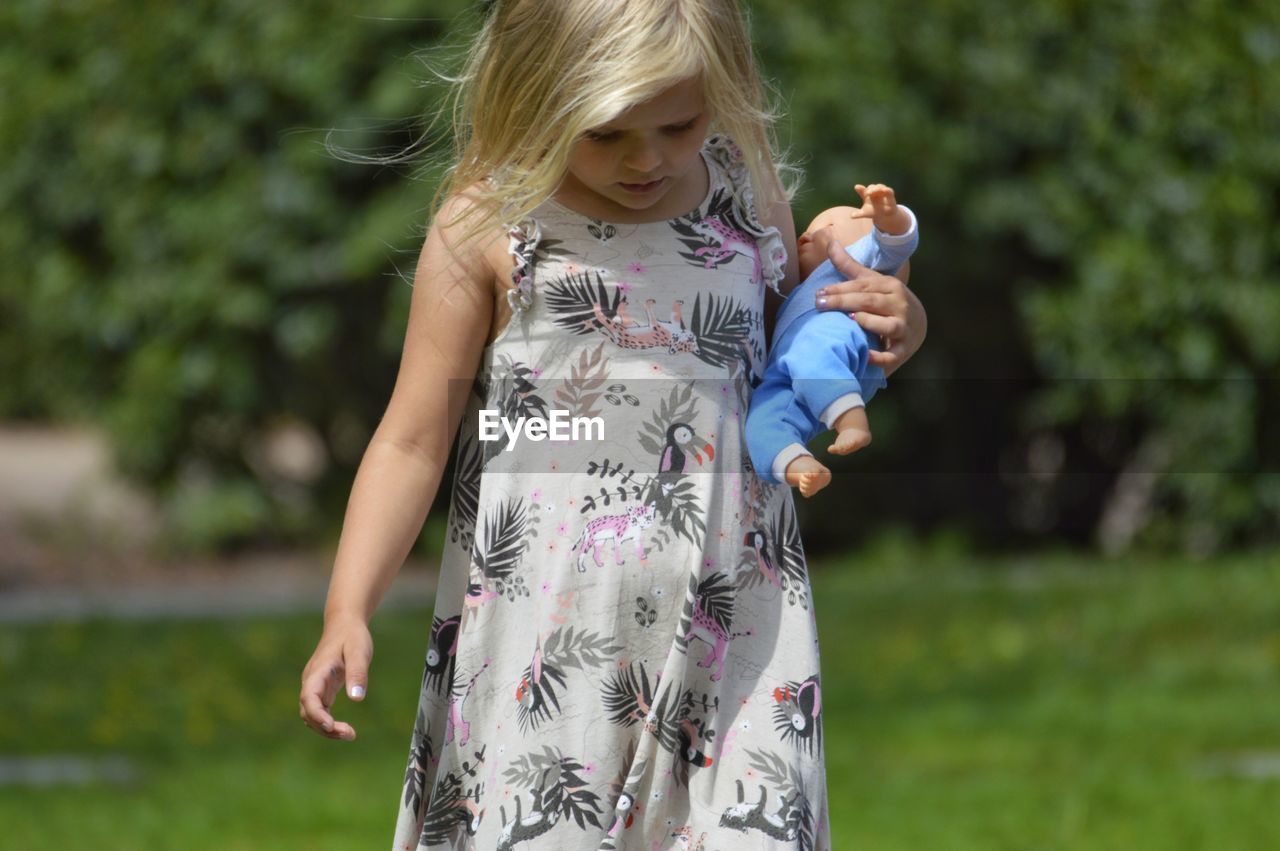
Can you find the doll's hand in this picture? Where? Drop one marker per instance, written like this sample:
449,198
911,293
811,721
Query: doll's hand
881,206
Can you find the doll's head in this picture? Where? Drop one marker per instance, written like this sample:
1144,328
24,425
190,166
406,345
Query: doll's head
832,225
543,74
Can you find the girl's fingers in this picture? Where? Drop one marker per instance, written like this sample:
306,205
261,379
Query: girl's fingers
846,265
878,303
313,711
887,327
886,360
318,690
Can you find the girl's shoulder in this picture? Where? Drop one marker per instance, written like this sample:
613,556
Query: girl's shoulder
481,243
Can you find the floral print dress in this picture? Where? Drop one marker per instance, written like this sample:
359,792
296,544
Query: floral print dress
623,653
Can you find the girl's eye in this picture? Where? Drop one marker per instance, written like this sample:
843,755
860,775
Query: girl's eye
611,135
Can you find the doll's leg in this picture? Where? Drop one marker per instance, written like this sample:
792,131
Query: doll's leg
776,426
853,432
808,474
823,361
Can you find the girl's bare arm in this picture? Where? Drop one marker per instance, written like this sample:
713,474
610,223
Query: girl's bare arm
449,316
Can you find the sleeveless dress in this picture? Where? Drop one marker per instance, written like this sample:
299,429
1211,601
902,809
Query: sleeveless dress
623,653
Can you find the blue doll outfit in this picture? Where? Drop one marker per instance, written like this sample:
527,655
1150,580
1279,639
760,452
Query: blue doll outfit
818,367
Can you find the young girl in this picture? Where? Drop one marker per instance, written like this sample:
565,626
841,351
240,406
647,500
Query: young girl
623,652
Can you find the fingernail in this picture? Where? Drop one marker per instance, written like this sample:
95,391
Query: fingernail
822,301
822,291
357,691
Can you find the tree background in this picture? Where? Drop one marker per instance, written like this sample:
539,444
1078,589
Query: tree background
190,267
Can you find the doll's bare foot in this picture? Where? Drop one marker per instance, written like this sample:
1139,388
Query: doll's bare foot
808,474
850,440
852,431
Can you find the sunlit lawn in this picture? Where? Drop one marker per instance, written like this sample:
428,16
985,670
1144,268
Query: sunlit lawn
1031,702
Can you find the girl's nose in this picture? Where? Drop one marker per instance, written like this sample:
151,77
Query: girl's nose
643,160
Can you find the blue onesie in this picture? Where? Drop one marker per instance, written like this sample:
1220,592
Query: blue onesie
817,367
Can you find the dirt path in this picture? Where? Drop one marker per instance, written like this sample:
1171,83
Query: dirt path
69,530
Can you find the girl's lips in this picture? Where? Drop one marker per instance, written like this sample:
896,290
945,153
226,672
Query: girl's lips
642,188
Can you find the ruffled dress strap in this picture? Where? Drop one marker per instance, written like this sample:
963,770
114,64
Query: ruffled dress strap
523,238
773,252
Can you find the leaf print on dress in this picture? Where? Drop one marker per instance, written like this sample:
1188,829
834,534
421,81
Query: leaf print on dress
629,698
422,761
453,814
563,649
773,554
496,554
465,500
555,791
579,392
514,396
722,327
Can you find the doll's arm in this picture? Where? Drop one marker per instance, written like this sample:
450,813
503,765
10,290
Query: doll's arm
886,252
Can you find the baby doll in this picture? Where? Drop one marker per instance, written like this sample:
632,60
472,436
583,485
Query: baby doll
818,376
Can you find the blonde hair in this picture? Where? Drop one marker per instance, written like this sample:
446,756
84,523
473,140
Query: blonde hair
542,72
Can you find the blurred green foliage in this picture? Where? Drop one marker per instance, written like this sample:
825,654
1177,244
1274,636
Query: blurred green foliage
1097,185
186,262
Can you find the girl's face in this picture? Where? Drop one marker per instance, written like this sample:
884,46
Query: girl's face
646,154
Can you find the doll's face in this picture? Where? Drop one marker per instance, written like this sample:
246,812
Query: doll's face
832,225
635,161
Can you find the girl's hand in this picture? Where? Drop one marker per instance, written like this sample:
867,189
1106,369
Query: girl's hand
880,304
342,656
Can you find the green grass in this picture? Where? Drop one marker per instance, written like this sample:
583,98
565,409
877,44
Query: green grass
1049,702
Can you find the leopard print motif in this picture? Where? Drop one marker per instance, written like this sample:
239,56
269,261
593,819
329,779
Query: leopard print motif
617,528
705,627
727,241
631,334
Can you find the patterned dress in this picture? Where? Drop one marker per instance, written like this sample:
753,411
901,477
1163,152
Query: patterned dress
623,653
